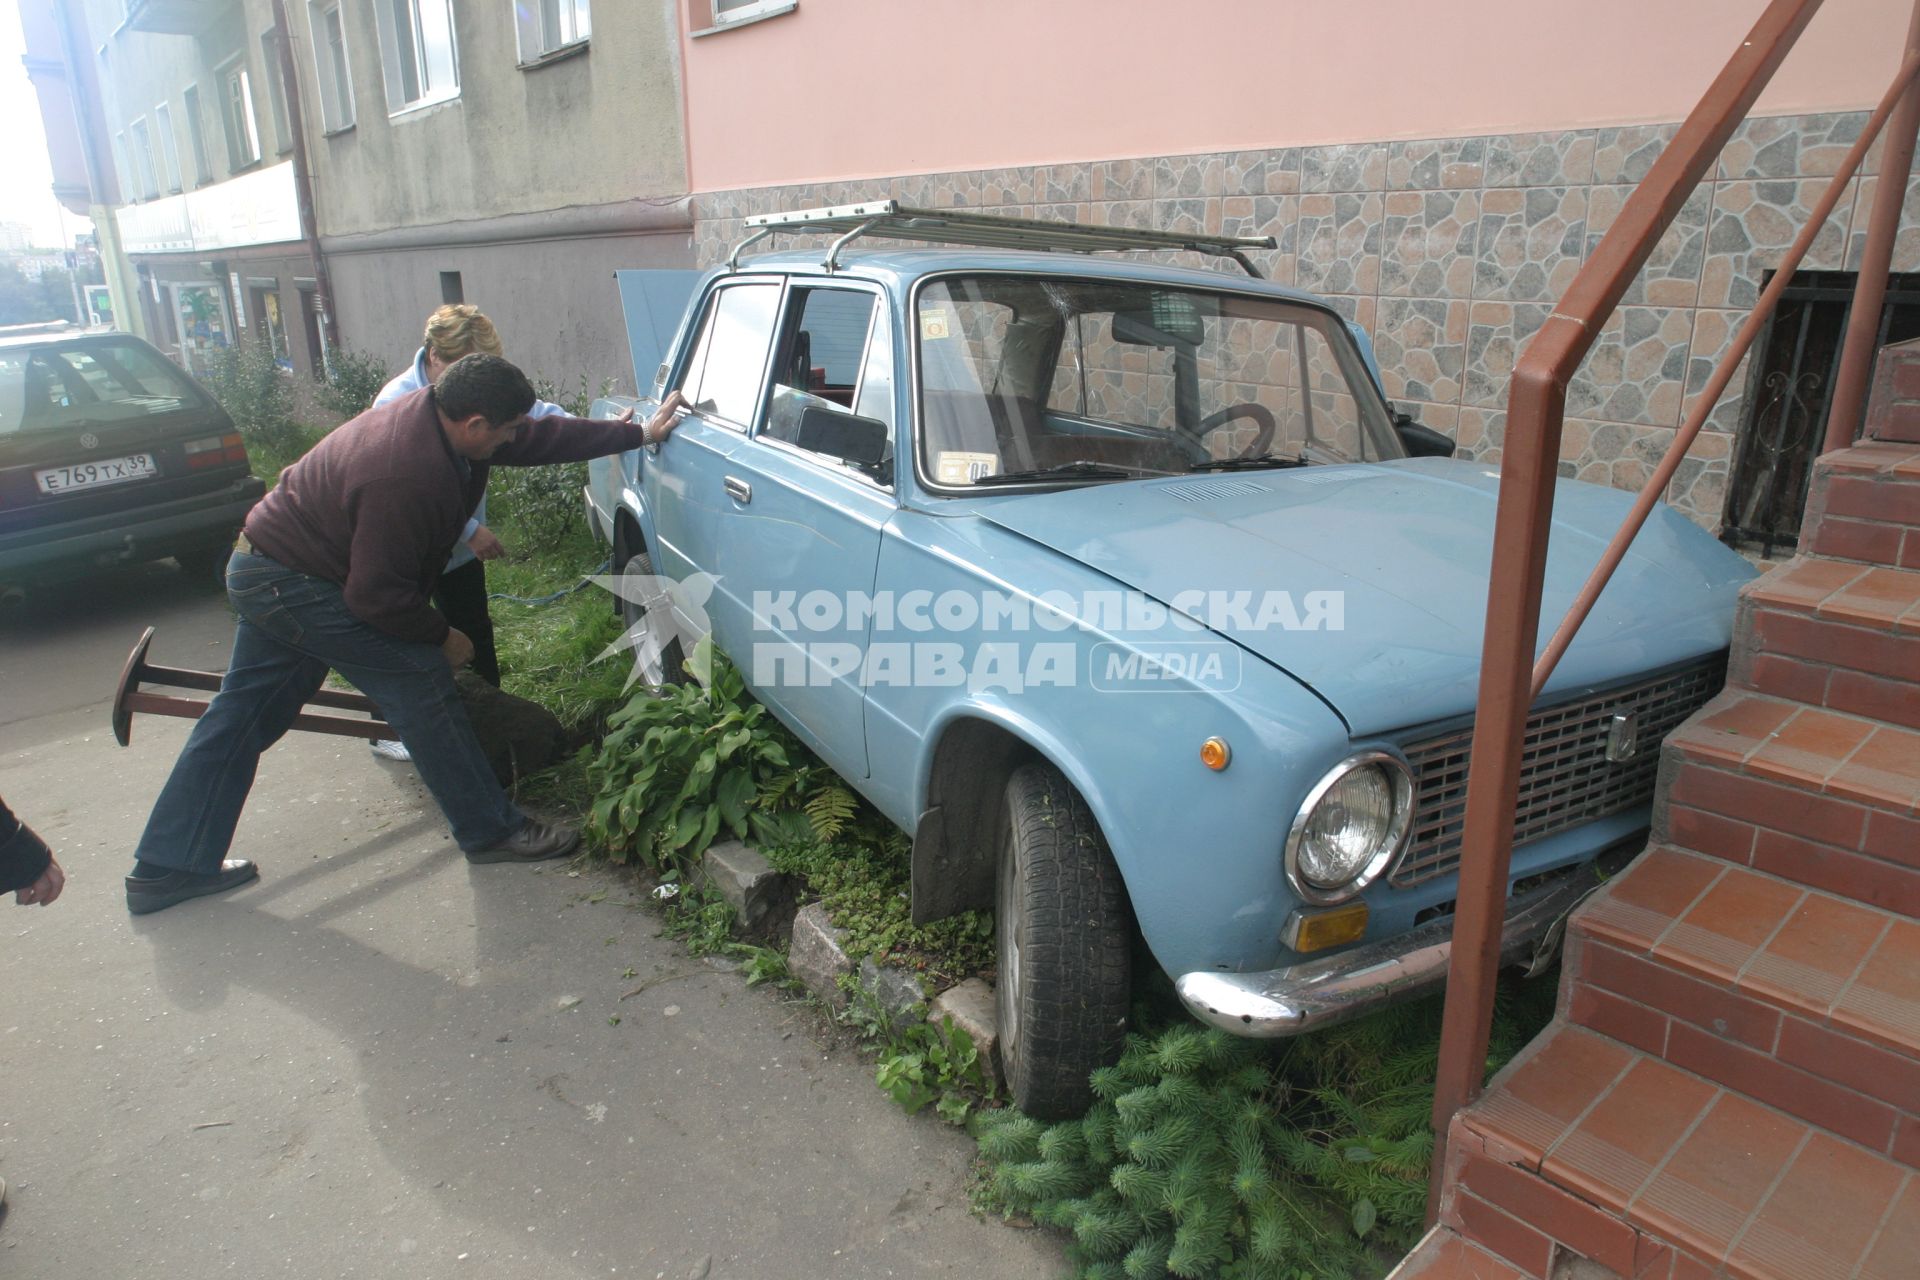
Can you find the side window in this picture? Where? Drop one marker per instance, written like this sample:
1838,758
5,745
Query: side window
728,367
826,359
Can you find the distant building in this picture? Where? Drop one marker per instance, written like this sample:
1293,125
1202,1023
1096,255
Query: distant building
15,237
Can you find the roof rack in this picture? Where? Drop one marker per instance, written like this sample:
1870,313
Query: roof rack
888,219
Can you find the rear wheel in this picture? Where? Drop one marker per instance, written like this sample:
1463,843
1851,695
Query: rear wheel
1063,929
641,594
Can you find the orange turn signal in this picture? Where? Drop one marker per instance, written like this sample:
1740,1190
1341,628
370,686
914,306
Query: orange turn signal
1317,930
1216,754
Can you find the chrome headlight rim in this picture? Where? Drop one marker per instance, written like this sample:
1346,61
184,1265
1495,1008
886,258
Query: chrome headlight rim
1401,777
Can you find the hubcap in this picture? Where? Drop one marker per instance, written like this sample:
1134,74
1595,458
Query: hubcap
650,659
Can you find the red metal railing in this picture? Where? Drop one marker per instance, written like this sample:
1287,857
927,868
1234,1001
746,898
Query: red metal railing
1510,678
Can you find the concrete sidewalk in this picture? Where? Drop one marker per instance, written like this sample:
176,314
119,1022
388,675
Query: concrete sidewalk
379,1061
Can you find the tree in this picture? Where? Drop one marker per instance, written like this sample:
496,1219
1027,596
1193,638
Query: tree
24,301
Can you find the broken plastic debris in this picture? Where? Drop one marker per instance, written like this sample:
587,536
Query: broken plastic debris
666,892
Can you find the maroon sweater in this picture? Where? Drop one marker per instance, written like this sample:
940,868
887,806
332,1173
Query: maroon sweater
378,505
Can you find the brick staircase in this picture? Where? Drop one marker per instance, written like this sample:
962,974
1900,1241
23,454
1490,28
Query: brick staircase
1732,1085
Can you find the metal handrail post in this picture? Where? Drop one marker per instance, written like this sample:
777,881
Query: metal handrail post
1870,291
1521,525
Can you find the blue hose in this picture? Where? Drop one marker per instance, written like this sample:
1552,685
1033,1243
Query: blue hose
605,567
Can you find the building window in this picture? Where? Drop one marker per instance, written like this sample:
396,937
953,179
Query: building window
121,169
330,66
547,25
1783,419
451,291
143,168
276,93
417,52
169,146
243,135
726,11
197,137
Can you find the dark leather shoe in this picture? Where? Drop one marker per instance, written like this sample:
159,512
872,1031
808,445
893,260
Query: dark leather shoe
161,892
535,842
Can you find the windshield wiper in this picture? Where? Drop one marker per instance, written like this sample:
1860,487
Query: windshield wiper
1264,462
1080,469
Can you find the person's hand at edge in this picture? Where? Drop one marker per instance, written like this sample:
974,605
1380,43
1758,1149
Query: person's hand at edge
485,545
666,417
457,647
44,890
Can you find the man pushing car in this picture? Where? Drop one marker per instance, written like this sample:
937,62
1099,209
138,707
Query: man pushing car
333,571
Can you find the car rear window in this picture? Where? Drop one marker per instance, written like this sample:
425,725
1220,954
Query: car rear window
54,387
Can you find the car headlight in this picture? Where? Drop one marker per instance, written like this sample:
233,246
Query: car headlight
1350,827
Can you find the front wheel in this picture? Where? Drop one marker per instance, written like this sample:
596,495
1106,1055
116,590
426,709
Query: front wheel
1064,929
661,662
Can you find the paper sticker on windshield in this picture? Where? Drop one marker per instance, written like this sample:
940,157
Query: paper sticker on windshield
933,323
955,467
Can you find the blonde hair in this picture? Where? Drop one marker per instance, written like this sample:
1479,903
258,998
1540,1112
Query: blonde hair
455,331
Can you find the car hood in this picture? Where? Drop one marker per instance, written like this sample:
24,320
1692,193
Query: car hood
1407,546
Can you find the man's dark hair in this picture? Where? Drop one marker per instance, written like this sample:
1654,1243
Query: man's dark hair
486,385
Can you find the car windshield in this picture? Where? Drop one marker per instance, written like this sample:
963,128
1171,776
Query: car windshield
49,388
1074,381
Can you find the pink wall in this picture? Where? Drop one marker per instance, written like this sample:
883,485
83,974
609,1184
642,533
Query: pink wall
864,88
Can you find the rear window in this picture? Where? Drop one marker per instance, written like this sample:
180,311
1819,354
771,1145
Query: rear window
93,384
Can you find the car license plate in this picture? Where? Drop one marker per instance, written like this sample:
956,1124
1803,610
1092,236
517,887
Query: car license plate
92,475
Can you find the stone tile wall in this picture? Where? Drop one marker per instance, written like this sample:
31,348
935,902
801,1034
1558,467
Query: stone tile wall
1451,253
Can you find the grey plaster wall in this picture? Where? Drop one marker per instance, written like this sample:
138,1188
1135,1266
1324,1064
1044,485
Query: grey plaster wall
554,301
600,126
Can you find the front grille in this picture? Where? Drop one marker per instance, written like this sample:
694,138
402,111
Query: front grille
1565,776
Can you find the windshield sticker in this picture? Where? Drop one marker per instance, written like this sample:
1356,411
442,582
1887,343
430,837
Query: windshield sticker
953,467
933,323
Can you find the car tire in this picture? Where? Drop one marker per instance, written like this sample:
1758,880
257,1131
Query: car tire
672,663
1063,932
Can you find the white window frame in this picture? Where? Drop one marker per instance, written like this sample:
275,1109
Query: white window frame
169,146
545,27
197,135
751,9
409,50
276,93
234,75
144,171
123,167
332,66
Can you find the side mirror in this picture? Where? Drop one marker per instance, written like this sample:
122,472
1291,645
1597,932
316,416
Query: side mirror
847,436
1421,442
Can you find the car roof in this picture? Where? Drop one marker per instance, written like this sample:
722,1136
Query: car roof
10,342
903,267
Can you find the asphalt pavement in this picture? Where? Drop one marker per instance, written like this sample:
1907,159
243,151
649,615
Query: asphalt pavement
379,1061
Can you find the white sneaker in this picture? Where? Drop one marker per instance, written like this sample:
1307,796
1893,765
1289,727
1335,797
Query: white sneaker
391,749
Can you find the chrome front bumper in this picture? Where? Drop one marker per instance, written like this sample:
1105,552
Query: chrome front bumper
1319,993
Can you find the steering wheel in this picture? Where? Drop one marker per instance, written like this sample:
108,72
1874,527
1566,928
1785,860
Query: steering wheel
1263,420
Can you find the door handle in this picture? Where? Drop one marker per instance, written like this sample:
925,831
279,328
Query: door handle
737,489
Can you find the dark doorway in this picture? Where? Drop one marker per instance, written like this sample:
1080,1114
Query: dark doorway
1789,389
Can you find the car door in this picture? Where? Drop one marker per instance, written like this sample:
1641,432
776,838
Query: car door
722,378
800,538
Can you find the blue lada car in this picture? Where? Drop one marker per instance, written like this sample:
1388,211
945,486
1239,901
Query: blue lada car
1122,588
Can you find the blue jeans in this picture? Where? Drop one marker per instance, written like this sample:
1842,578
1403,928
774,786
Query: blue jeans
292,629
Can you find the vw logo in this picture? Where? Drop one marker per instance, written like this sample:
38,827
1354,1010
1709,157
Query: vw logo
1623,738
88,440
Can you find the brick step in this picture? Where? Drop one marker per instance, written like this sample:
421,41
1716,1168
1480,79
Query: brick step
1804,1001
1443,1255
1863,504
1586,1148
1836,634
1827,800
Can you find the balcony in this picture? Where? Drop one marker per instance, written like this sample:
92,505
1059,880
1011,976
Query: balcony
175,17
